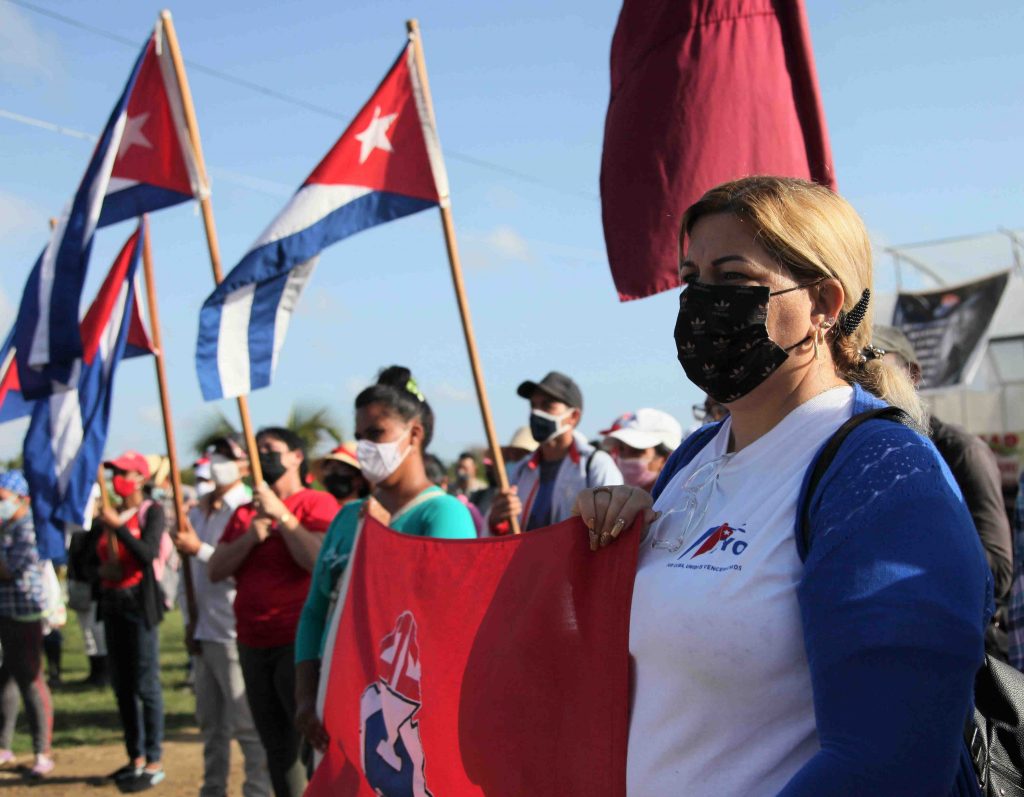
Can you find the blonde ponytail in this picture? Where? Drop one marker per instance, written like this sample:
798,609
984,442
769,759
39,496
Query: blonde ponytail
815,233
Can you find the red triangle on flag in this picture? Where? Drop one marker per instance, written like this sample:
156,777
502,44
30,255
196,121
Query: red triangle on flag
151,149
384,147
97,318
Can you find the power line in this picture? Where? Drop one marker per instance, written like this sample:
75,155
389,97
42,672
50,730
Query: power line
298,102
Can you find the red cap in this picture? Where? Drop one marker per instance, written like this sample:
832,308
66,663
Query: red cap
130,460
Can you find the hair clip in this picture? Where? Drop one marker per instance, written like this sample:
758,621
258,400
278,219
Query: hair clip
412,387
871,353
848,322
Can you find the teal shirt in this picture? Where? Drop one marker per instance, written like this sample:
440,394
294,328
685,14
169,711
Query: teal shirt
443,517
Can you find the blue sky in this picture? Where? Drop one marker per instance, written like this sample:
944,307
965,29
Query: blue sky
924,107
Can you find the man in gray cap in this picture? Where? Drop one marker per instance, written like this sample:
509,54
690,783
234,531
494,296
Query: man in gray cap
544,487
976,471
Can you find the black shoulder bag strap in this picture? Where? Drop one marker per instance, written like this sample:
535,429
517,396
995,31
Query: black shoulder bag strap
828,453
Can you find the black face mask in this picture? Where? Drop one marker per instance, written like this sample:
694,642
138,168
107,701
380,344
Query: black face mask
722,338
340,485
270,464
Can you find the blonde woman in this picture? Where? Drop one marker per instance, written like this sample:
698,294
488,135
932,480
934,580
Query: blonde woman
763,666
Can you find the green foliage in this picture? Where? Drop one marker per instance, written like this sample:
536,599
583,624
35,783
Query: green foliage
215,427
316,426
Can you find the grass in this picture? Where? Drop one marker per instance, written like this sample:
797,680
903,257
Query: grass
85,715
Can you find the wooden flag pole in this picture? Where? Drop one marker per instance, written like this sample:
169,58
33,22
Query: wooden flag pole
165,409
206,206
413,28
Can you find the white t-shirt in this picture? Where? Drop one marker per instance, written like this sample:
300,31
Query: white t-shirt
215,602
722,701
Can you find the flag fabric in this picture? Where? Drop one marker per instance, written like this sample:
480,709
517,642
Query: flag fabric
465,668
142,162
701,92
14,405
387,164
64,444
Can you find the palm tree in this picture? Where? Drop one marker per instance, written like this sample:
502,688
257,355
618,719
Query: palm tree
213,428
315,425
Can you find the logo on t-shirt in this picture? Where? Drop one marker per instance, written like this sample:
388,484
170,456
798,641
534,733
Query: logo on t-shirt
717,540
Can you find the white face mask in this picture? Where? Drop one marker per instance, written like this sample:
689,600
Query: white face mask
8,508
223,470
379,460
205,488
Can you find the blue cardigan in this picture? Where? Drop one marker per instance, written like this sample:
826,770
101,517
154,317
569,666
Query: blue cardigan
894,599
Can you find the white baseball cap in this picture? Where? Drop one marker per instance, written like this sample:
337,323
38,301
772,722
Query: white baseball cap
647,428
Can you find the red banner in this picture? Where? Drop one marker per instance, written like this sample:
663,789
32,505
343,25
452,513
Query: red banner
463,668
702,91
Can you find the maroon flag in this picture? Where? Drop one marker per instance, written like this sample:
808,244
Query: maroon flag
464,668
702,91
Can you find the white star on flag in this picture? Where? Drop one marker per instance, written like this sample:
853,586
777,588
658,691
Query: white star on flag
133,134
375,135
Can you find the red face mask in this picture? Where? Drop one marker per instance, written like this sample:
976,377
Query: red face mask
124,486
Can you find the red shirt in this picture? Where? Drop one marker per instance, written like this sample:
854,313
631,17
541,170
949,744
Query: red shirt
131,571
271,587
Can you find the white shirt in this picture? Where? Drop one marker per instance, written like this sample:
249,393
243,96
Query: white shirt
722,701
215,621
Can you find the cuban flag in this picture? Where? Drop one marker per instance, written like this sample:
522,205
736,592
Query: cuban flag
142,162
65,440
387,164
12,404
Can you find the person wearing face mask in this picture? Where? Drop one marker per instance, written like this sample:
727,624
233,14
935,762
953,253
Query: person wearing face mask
641,444
830,629
543,488
132,607
22,606
270,546
340,474
222,708
394,426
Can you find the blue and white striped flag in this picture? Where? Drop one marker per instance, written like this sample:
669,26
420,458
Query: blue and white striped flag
65,440
387,164
143,162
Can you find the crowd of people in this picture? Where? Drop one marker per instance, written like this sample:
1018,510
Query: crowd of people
845,658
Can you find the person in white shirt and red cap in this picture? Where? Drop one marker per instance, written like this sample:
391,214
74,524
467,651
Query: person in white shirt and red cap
640,443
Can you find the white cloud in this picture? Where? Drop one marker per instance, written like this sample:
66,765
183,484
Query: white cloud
150,415
451,392
498,246
26,55
19,217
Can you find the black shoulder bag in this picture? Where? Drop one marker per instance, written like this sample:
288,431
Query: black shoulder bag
995,732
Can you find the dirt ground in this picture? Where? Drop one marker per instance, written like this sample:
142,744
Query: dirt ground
80,772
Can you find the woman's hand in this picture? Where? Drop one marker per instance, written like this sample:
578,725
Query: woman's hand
268,504
606,511
308,724
260,527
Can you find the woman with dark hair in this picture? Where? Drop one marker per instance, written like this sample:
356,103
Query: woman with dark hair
131,606
394,426
792,636
269,546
